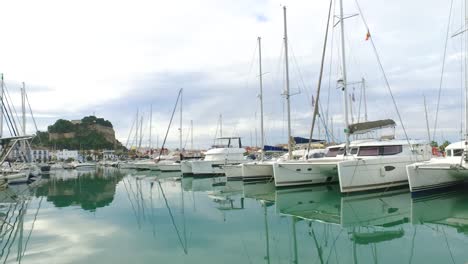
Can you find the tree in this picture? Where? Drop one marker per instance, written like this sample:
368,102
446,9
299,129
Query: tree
434,144
444,145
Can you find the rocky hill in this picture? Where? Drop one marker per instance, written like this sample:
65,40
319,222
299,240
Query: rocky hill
89,133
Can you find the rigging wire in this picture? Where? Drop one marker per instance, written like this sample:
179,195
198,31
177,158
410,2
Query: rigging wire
384,75
442,72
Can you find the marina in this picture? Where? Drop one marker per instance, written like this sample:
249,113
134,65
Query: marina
331,131
75,216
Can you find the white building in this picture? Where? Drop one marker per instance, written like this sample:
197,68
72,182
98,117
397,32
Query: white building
108,155
66,154
40,154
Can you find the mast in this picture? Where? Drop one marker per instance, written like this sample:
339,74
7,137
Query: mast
427,120
466,82
344,84
23,107
220,125
262,134
137,127
365,98
288,105
180,125
141,132
191,135
151,128
1,106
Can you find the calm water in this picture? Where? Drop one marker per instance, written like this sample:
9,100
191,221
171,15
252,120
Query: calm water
112,216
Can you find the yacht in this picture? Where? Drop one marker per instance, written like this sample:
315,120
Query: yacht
376,164
439,172
223,154
316,169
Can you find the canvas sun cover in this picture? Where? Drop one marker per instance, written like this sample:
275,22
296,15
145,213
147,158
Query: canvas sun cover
360,128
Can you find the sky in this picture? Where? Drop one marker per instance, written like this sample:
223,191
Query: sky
110,58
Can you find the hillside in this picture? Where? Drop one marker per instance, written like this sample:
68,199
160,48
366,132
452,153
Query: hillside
89,133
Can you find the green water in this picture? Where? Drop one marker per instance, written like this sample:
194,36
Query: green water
111,216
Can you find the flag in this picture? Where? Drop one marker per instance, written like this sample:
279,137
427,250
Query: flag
367,35
313,101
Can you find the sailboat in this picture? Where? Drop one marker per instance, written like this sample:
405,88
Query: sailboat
256,170
365,164
175,166
452,169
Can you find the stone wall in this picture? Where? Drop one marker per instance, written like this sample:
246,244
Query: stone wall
58,136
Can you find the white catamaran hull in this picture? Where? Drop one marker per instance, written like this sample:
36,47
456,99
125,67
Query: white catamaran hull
426,176
302,173
186,167
204,167
257,171
169,167
233,172
369,174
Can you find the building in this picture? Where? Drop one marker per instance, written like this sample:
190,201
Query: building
41,155
108,155
65,154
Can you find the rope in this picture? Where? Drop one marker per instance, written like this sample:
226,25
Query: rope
387,84
442,73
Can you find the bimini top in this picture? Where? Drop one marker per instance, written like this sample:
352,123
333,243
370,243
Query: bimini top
456,145
364,127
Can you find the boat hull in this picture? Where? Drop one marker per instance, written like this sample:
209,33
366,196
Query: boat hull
370,174
169,167
257,171
302,173
424,177
207,168
233,172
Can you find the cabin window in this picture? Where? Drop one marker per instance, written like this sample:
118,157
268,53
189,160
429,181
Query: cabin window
449,153
457,152
354,151
392,150
332,152
369,151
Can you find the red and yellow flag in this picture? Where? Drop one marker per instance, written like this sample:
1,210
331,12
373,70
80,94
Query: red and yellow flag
367,35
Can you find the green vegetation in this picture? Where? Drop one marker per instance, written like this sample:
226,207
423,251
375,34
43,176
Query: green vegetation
85,137
61,126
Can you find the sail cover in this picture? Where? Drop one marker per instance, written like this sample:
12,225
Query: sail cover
360,128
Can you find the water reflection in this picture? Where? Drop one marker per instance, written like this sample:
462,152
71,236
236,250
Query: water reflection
166,218
89,189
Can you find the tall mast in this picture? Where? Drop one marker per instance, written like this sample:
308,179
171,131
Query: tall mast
191,135
1,106
220,125
288,105
262,134
141,132
151,127
180,127
23,107
365,98
137,129
466,80
344,80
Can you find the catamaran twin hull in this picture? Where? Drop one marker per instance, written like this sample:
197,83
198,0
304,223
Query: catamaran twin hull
210,168
373,173
259,171
302,173
428,176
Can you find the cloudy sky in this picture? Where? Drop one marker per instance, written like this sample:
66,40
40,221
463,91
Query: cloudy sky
111,58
